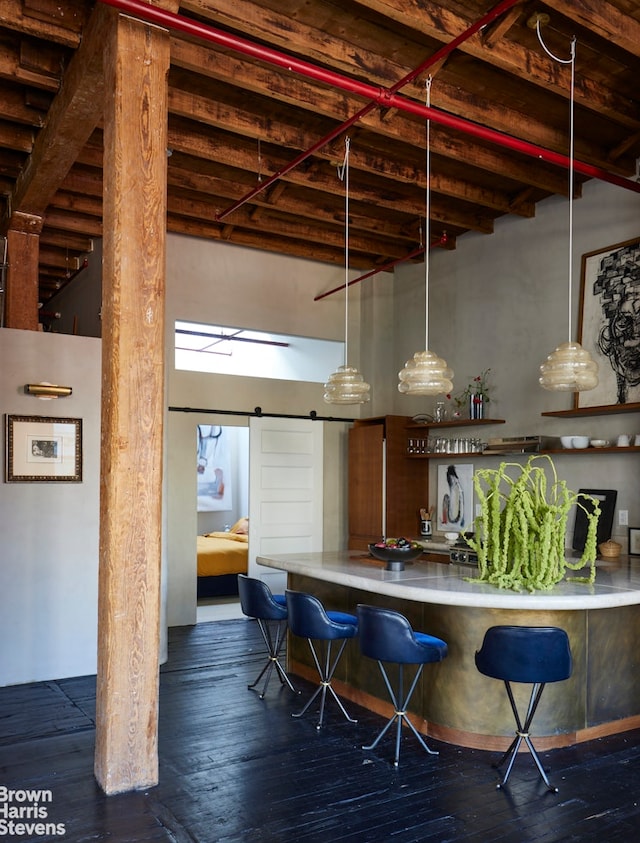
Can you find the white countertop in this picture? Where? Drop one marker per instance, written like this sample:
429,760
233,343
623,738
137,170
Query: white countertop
617,582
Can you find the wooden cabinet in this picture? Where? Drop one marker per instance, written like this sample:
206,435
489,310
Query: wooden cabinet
386,489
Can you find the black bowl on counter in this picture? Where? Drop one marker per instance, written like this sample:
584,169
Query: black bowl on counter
395,557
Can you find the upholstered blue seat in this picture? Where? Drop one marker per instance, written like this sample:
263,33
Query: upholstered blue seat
533,655
309,619
387,636
270,612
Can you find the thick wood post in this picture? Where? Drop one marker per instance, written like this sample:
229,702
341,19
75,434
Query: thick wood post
135,176
23,252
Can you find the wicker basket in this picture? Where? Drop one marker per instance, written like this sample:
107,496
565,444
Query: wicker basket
610,549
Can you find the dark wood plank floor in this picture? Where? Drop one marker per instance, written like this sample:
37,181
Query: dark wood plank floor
234,768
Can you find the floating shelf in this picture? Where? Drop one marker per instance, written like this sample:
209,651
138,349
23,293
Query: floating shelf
601,410
453,423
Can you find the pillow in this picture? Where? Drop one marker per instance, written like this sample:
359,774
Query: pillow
241,527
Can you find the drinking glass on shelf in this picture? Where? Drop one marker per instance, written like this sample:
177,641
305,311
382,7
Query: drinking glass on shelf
440,413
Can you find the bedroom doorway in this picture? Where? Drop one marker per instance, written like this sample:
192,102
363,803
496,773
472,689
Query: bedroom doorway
273,468
222,472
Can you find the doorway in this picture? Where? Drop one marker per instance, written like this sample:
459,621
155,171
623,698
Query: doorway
222,504
273,470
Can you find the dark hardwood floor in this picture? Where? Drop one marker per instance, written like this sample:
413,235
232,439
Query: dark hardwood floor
234,768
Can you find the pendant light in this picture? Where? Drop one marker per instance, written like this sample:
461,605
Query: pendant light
346,385
570,368
426,373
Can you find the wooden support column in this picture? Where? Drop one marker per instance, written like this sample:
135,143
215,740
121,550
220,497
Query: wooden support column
23,252
135,176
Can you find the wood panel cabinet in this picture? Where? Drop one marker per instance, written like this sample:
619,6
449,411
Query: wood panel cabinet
386,489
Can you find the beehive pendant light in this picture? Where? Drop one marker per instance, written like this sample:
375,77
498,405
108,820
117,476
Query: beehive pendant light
426,373
346,385
570,368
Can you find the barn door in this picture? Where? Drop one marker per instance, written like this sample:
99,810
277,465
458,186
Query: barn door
285,492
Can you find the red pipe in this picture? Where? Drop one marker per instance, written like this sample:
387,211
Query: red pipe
385,268
377,95
416,253
437,56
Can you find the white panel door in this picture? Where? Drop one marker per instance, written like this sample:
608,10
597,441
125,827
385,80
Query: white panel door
285,492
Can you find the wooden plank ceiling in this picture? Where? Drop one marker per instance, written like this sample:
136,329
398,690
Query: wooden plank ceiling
236,120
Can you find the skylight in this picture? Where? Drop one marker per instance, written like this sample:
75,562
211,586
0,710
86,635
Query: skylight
225,350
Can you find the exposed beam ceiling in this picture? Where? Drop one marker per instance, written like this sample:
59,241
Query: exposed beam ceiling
237,120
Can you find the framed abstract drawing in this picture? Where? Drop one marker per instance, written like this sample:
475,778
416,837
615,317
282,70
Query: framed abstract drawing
609,325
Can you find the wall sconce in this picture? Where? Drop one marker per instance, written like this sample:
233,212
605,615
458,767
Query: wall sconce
47,390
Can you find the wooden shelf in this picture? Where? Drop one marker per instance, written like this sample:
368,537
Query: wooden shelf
570,452
453,423
613,449
602,410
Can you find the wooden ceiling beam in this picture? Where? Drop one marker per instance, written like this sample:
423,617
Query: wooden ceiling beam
11,70
237,152
297,228
317,99
531,66
72,118
409,202
431,20
272,243
603,18
65,31
270,130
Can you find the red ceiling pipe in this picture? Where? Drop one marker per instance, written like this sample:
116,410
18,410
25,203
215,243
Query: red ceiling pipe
377,95
334,133
385,268
416,253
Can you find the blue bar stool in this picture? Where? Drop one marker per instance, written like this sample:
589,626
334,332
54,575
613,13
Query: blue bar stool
387,636
270,612
308,619
531,654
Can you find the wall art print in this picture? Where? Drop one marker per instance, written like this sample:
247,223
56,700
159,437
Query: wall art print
213,468
610,323
43,449
455,498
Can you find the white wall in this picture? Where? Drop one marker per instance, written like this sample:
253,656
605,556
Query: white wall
501,301
49,564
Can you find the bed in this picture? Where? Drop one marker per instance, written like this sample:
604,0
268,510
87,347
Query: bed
221,557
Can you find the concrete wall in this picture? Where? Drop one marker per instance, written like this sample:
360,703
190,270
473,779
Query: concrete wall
502,302
49,556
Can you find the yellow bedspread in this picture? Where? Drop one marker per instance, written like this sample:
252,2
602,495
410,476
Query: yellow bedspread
222,553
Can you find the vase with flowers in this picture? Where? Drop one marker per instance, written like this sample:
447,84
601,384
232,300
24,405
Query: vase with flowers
475,396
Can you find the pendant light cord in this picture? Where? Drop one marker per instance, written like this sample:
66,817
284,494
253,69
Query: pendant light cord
572,61
427,219
343,174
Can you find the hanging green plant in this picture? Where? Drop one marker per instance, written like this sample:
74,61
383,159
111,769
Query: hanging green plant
521,529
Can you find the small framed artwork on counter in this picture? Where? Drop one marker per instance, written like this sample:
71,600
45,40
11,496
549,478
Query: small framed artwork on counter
634,541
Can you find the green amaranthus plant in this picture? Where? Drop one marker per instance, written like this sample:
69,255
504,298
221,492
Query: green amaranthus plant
521,529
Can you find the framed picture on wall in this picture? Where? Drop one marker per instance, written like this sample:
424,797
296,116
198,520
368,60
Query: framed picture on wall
213,468
609,326
634,541
43,449
455,498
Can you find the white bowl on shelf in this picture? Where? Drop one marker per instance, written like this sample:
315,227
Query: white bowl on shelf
599,443
451,538
580,442
566,441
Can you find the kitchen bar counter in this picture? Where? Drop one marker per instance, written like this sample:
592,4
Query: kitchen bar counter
617,582
456,703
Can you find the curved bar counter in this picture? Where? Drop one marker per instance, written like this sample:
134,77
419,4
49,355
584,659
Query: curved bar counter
456,703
